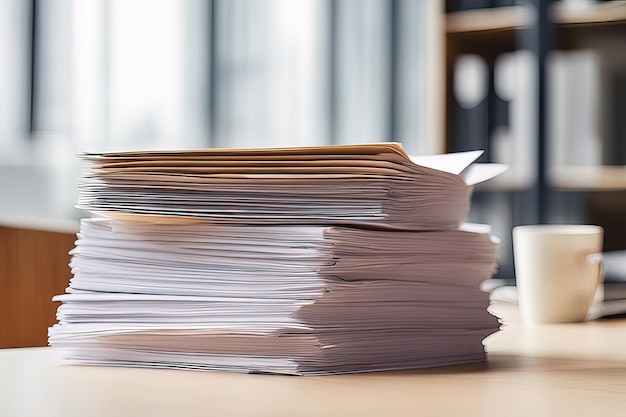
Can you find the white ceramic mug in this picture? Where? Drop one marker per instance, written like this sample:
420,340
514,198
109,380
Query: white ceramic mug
558,269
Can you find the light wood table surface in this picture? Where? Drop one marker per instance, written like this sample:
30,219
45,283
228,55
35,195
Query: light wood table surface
545,370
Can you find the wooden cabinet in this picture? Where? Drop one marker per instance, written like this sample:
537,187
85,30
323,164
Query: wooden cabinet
33,268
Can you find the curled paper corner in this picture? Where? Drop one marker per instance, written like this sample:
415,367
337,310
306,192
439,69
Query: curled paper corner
454,163
462,164
477,173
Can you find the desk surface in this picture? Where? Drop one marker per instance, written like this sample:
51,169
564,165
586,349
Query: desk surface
545,370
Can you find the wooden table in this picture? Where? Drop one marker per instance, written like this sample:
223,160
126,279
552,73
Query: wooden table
544,370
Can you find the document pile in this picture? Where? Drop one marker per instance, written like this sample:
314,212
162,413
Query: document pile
295,261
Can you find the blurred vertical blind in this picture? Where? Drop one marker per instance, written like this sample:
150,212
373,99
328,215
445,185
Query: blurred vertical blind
122,74
14,76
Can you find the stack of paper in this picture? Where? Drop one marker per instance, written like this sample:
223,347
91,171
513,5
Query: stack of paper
357,185
276,261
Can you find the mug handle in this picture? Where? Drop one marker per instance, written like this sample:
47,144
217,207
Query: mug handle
595,310
596,259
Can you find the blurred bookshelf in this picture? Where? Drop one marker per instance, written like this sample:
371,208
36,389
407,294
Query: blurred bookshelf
541,86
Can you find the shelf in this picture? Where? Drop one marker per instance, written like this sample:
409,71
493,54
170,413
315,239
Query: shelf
589,178
564,178
591,14
509,181
518,17
487,20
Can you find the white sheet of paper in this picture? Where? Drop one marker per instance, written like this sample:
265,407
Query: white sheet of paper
454,163
477,173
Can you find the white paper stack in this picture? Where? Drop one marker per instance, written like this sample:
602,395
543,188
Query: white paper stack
196,266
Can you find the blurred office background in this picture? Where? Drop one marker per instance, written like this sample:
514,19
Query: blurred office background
98,75
102,75
540,86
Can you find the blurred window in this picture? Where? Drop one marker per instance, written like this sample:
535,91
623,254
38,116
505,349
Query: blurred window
122,74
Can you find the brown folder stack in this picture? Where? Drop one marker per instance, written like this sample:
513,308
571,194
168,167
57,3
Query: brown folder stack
296,261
